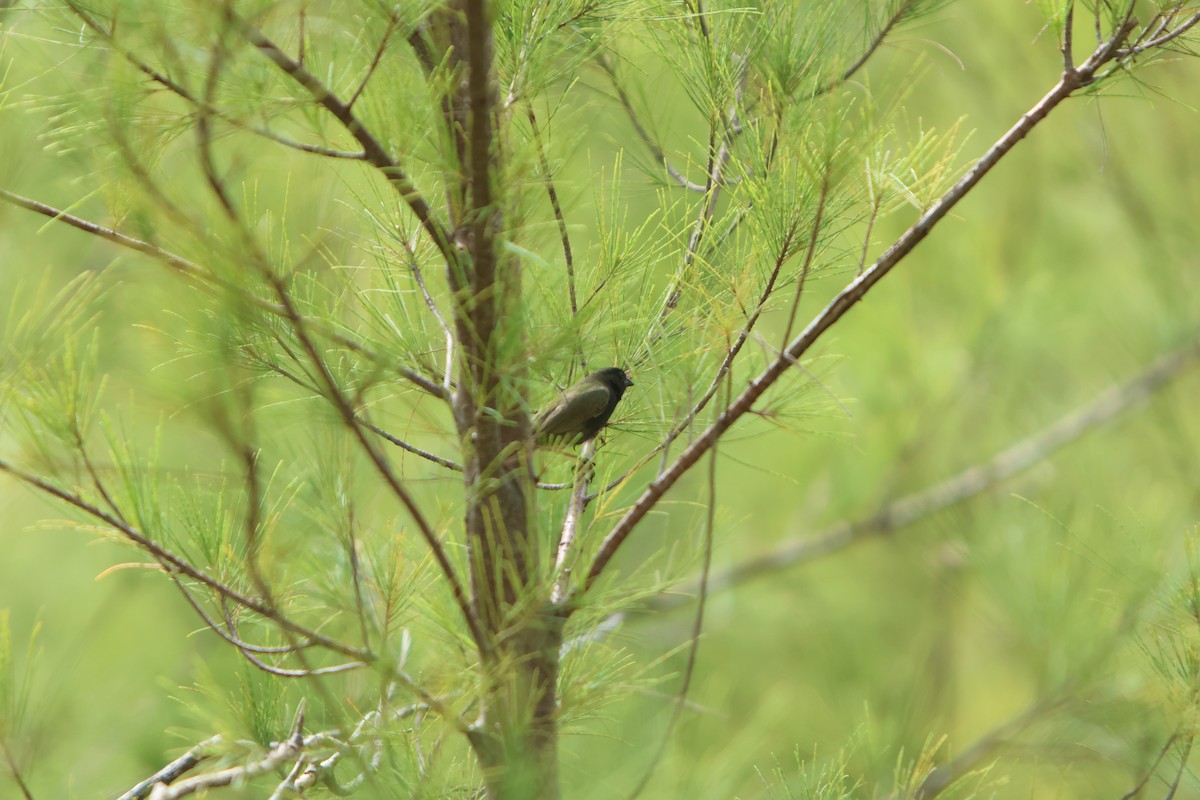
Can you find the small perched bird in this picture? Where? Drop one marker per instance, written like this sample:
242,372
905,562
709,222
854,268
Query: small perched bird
582,410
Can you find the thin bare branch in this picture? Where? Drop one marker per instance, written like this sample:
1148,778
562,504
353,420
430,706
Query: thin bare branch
697,626
418,274
177,263
208,279
1162,753
575,508
176,769
1110,404
548,179
181,566
1188,743
810,253
234,640
947,774
362,420
272,760
874,45
1162,38
282,672
15,772
293,648
640,129
286,787
375,153
1067,46
384,41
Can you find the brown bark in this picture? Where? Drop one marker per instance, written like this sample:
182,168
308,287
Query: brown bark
516,734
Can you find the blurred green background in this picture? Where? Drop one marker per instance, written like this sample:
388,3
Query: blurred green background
1073,266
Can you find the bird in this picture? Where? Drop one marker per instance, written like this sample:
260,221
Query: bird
583,409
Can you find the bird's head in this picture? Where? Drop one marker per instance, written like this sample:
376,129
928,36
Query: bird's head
615,378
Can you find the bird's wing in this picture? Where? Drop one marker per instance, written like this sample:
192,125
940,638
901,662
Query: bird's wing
583,403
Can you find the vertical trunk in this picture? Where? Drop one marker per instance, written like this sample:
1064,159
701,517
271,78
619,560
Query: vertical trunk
516,737
520,753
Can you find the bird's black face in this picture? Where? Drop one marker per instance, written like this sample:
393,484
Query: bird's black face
616,379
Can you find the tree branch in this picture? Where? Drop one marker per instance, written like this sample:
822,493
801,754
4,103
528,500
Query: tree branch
182,92
375,153
875,43
176,769
343,406
659,155
205,277
944,777
182,567
548,179
272,760
1110,404
845,300
575,508
1162,37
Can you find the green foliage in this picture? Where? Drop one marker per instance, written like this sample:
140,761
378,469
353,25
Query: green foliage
200,401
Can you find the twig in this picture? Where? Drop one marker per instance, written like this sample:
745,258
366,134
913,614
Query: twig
1164,38
697,626
182,92
378,57
1067,47
810,253
322,770
179,565
414,266
411,448
1162,753
173,771
287,785
1183,763
971,482
205,277
306,750
845,300
375,153
231,637
873,46
641,131
575,508
274,758
362,420
14,771
944,776
548,179
294,648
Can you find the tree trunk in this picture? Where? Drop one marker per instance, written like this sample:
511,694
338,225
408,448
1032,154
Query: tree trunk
515,737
